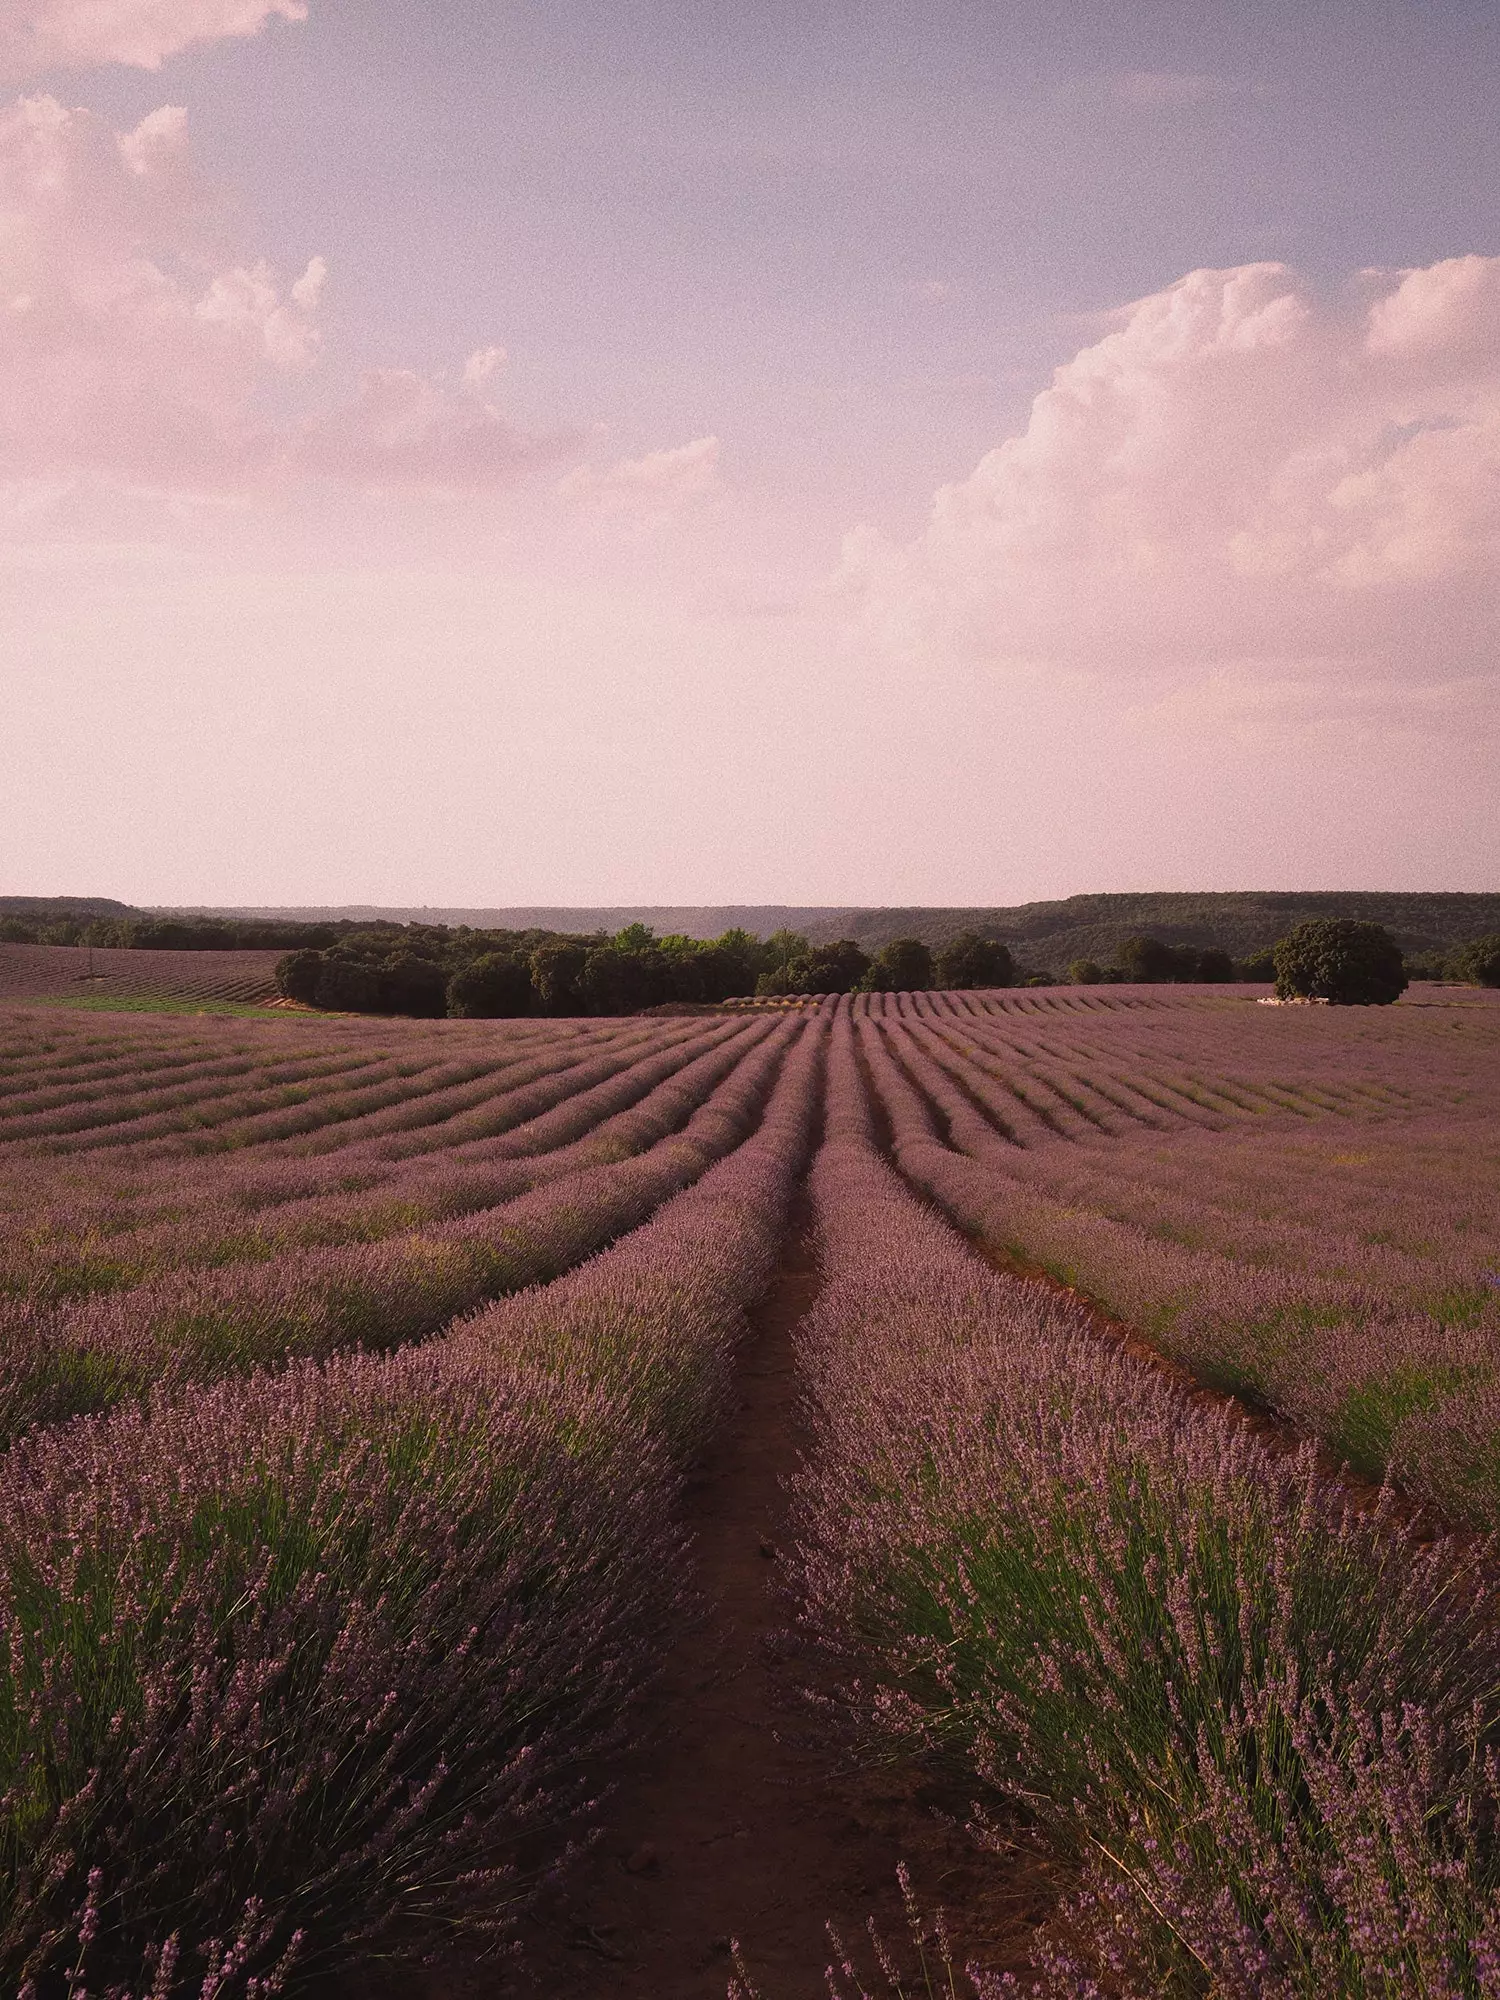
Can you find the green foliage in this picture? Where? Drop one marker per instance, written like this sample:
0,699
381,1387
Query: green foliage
557,975
826,968
492,988
1478,962
1259,967
1340,959
969,960
297,976
1085,972
1146,961
618,980
902,966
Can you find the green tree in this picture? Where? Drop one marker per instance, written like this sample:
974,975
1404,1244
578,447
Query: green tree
409,984
1146,961
492,988
744,957
823,968
1215,968
557,975
902,966
781,949
1478,961
347,985
968,961
615,981
297,976
1085,972
1341,959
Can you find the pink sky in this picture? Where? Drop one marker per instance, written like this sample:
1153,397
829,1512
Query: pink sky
313,588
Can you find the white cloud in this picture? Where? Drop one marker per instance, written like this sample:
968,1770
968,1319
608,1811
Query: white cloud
482,364
38,35
1236,471
128,343
134,348
659,483
403,429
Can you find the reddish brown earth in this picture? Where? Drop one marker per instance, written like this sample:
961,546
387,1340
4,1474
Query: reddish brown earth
738,1817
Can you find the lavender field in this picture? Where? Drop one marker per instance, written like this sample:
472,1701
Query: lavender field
356,1376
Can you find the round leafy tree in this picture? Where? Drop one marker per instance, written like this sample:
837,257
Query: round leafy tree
491,988
297,975
1479,961
968,960
902,966
1342,959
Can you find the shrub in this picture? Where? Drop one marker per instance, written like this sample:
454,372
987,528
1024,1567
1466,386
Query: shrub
968,961
492,988
1084,972
1340,959
306,1660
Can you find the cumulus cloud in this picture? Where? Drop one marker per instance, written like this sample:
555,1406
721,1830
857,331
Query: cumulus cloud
1238,472
659,483
38,35
134,348
403,429
127,343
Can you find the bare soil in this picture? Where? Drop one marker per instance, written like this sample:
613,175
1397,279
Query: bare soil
739,1817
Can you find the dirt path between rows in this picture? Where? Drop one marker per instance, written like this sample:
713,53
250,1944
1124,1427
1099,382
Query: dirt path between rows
735,1818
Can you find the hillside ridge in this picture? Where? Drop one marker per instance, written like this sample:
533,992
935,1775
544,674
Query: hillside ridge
1045,934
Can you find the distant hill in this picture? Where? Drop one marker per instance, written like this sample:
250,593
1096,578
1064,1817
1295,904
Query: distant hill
64,906
1045,936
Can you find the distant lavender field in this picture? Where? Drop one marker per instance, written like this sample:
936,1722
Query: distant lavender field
32,971
350,1371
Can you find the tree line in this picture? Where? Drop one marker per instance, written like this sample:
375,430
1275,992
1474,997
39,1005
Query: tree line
431,970
435,970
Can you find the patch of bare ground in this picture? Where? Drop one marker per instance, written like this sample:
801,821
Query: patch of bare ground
738,1817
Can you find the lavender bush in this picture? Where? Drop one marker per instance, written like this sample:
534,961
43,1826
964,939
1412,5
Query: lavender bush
1261,1720
301,1663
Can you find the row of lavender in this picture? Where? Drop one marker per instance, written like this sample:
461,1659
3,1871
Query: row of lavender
1342,1270
60,1360
239,1091
399,1168
300,1665
1256,1727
